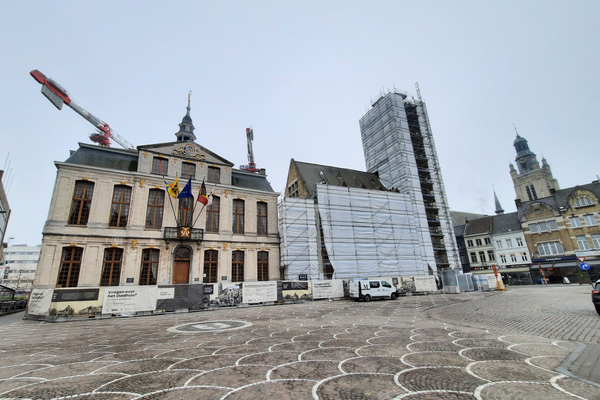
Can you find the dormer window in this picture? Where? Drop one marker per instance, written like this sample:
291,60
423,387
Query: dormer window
583,201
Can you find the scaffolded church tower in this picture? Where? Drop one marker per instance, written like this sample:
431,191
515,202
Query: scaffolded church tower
399,148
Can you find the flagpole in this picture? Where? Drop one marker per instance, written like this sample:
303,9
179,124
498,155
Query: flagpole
171,202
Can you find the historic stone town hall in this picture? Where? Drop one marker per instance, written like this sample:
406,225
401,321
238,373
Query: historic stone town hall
112,221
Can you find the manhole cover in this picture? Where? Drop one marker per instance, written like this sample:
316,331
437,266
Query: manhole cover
209,326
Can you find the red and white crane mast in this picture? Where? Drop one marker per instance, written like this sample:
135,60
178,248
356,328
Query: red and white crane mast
59,96
251,167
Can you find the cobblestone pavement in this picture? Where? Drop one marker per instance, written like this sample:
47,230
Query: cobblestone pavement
316,350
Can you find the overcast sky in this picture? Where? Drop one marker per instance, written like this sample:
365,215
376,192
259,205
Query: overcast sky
302,73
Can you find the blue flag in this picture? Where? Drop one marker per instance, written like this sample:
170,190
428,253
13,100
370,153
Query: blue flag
187,190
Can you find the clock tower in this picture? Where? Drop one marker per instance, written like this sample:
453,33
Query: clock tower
531,182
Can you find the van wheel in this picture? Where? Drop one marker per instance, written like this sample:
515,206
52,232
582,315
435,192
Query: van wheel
394,296
367,297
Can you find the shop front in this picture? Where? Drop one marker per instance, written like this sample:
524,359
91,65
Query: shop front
563,270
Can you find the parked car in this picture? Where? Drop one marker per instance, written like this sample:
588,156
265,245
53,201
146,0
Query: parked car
372,289
596,296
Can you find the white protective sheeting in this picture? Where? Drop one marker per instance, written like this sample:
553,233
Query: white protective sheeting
369,232
298,235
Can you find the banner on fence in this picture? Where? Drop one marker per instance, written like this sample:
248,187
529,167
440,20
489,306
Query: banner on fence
327,289
259,292
127,299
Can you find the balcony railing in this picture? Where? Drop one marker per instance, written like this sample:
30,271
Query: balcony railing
183,233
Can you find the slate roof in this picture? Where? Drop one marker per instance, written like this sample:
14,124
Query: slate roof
504,223
459,230
460,217
313,174
104,157
250,181
479,226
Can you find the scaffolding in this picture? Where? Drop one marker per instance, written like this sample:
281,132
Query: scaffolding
364,233
398,145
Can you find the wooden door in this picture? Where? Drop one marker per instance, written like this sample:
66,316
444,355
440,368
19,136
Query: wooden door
181,272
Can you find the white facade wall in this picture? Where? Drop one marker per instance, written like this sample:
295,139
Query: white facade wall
20,265
512,248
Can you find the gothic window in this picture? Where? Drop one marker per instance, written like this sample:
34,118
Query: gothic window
211,263
154,214
528,193
119,210
159,165
70,264
533,193
82,201
111,270
212,215
237,266
149,270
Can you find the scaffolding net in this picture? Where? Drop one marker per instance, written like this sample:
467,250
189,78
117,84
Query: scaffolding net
298,235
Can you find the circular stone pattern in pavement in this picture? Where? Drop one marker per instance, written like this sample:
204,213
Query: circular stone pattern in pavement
209,326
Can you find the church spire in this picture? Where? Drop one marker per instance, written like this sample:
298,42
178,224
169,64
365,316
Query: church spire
499,209
186,127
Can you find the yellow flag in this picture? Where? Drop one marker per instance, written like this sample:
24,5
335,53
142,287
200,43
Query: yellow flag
174,188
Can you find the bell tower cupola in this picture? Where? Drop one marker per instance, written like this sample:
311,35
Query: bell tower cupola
531,182
186,127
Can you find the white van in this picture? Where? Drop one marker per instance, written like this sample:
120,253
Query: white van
372,289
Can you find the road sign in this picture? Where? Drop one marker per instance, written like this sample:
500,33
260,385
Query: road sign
581,259
584,266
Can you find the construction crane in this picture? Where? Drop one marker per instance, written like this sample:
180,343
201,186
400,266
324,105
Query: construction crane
59,96
251,167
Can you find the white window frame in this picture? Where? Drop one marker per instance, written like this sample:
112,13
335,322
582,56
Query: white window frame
513,257
519,242
498,244
524,257
509,243
582,242
503,258
596,240
550,248
589,219
575,222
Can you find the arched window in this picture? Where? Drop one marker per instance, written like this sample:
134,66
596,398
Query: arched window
111,270
186,209
70,265
237,266
82,201
211,264
149,271
119,210
212,215
583,201
262,263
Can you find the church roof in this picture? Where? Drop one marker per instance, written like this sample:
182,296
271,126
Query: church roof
313,174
